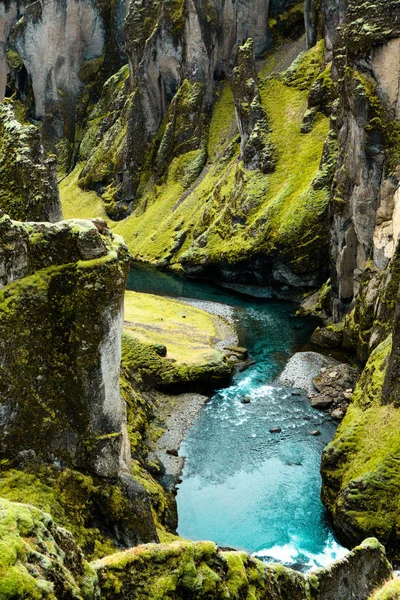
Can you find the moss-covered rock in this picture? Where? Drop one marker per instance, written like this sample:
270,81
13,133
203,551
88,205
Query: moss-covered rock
200,570
40,560
60,326
61,307
256,150
28,178
360,467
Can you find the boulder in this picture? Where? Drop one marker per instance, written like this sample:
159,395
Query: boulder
303,367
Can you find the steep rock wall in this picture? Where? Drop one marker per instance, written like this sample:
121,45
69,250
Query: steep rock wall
66,321
365,52
28,178
61,411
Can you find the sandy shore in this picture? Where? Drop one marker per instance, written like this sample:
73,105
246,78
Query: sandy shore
181,412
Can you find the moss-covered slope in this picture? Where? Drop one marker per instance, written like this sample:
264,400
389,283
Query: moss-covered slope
360,470
223,217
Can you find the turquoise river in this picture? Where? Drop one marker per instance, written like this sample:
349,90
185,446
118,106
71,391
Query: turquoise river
242,486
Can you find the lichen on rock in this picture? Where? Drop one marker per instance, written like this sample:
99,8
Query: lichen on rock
28,178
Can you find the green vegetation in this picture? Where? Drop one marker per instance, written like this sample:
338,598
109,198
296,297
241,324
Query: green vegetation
169,343
231,213
390,591
78,203
361,479
38,560
185,569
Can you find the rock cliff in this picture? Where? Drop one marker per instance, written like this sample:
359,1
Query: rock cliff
61,304
28,177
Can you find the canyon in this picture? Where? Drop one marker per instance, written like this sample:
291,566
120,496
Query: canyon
250,144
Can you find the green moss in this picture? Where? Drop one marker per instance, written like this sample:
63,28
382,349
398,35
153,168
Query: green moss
78,203
194,569
14,59
390,591
305,69
38,560
361,480
223,124
70,496
231,214
187,333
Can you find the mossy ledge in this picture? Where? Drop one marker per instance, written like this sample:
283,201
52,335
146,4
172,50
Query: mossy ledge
360,472
39,560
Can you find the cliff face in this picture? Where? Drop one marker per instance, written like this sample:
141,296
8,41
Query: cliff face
75,367
366,59
61,412
28,178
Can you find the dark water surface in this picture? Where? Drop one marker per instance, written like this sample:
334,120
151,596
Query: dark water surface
243,486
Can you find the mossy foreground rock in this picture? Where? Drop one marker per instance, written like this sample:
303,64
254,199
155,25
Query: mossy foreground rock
39,560
200,570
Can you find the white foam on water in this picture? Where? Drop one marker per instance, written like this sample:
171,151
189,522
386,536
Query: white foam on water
292,553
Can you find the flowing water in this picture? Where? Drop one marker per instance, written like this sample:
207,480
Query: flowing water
243,486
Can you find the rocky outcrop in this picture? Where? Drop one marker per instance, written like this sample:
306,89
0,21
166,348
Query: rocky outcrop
28,178
39,560
195,205
61,307
201,569
256,150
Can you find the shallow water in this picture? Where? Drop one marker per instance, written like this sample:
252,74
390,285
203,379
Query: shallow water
245,487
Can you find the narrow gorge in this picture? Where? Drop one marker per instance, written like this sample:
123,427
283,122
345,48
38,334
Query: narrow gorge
199,299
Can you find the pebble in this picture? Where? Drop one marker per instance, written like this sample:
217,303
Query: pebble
275,430
316,432
173,452
245,400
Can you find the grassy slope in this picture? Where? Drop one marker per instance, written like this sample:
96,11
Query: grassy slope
360,467
188,333
230,212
